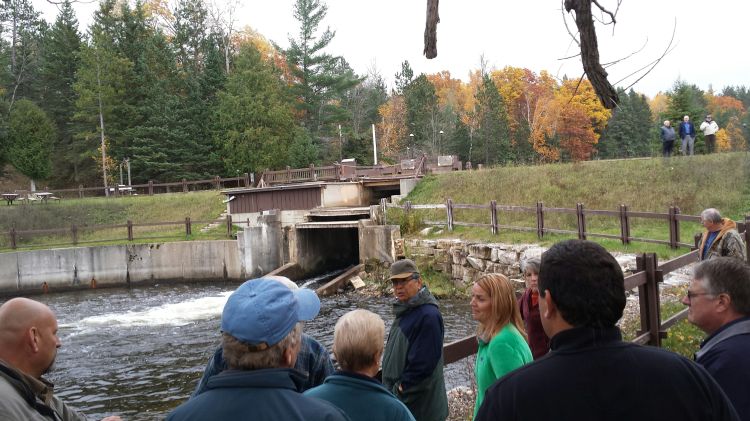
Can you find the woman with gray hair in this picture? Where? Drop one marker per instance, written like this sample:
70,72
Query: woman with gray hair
358,346
529,306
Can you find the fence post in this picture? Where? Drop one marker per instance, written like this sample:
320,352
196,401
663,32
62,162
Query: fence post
130,230
246,179
74,233
676,227
150,187
648,295
116,189
540,219
670,221
312,173
229,226
493,217
188,227
288,173
80,191
624,224
581,221
184,186
217,182
13,238
449,213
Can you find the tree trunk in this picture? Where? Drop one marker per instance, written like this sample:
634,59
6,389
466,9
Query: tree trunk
430,30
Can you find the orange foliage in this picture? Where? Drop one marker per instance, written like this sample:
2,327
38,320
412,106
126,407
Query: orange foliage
735,137
717,104
576,132
392,127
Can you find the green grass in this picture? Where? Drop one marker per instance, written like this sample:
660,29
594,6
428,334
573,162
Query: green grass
174,207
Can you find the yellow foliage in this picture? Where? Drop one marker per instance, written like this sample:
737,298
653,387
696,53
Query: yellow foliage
658,105
735,136
392,127
722,141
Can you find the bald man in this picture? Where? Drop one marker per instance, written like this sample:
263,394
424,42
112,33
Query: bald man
28,347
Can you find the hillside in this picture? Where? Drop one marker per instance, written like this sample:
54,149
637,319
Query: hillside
652,184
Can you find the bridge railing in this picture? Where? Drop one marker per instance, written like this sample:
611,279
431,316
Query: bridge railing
649,273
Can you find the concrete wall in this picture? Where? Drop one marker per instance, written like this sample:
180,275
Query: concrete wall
262,246
343,194
377,242
287,218
71,268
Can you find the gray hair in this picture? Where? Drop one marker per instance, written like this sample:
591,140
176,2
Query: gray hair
711,215
727,275
358,339
242,356
531,264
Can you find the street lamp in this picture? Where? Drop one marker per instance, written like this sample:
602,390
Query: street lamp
440,141
411,142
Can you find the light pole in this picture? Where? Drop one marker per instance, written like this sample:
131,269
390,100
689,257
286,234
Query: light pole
411,142
440,141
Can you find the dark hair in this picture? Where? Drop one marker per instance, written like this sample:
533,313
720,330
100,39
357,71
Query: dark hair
727,275
586,283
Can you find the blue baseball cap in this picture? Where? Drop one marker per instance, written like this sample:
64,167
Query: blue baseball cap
264,311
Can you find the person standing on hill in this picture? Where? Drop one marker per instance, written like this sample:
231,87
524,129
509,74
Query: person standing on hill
687,134
413,358
709,128
720,237
668,137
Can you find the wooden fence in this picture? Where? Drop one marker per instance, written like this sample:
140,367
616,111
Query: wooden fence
649,273
151,188
73,233
672,218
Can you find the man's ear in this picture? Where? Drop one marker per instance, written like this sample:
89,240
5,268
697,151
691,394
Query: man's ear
724,302
289,357
550,308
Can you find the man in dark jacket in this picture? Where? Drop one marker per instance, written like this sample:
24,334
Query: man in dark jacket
687,134
413,358
718,301
590,373
261,333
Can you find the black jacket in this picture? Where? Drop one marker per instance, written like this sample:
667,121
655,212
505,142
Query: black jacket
591,374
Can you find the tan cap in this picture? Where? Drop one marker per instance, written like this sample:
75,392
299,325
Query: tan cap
403,269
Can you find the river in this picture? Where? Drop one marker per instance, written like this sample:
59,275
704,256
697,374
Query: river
139,352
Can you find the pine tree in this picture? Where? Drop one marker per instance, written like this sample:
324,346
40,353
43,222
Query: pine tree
31,135
630,130
60,64
320,75
492,136
421,114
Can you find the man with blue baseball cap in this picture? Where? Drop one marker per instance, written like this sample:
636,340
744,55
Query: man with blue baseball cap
261,333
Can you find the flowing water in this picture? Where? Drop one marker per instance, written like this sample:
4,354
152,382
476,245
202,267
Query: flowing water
139,352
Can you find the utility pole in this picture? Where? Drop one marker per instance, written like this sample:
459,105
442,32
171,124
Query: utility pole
341,146
374,147
101,122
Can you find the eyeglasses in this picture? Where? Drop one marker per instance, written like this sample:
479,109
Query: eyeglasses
403,281
690,295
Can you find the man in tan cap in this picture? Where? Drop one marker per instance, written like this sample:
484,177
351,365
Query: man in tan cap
413,358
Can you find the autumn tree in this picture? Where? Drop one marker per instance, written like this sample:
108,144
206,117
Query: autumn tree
392,130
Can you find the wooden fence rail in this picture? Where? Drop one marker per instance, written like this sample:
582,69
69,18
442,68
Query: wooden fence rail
75,230
623,214
649,273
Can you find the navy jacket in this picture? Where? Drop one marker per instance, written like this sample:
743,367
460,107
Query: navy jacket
728,361
687,129
591,374
257,395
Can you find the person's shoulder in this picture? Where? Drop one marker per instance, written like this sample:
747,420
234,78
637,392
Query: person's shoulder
320,409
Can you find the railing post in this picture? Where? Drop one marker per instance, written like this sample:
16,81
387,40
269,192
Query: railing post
670,222
288,173
229,226
74,234
188,227
540,219
624,225
312,173
80,191
676,227
581,221
449,213
13,238
246,179
217,182
130,230
184,186
493,217
150,187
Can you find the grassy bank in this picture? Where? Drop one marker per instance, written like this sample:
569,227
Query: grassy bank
199,206
647,185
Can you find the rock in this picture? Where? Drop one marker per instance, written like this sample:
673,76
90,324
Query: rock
357,282
476,264
480,251
426,231
457,271
504,257
532,252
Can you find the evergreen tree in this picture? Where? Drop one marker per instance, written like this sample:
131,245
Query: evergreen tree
421,114
31,135
404,77
60,64
256,128
685,99
492,136
460,142
321,76
630,130
24,30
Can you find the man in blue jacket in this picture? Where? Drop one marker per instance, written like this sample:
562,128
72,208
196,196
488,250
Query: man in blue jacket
687,134
261,333
413,359
718,301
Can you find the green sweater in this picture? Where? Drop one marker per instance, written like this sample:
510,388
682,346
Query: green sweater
505,352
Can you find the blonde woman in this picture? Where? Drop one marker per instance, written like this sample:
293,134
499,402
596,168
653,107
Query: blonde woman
502,339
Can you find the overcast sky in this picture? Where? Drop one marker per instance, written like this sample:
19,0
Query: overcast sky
710,45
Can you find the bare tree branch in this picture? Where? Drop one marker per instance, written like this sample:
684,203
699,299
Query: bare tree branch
667,50
565,21
611,15
612,63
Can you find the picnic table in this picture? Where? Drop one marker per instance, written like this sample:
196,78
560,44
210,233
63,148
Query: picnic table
44,196
10,197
